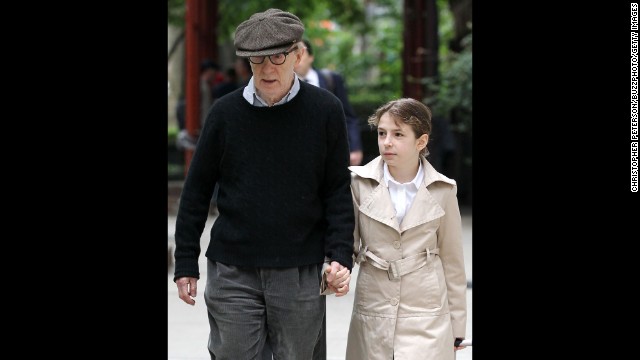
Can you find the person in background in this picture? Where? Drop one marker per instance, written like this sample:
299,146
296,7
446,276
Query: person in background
333,82
278,149
210,77
410,300
243,71
229,84
442,146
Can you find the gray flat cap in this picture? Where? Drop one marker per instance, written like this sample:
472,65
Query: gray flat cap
267,33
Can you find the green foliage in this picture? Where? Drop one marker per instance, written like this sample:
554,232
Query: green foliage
385,54
368,53
365,46
446,31
235,12
172,134
176,12
453,92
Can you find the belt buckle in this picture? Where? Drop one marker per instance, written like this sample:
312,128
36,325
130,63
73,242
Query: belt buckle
362,256
393,272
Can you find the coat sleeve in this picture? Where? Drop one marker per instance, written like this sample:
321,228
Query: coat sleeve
452,258
355,195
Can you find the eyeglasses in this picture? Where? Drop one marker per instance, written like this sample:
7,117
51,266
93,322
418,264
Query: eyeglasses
276,59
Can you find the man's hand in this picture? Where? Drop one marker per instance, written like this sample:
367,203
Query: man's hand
338,278
187,289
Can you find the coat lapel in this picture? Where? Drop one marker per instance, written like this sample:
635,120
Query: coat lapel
379,207
377,204
425,207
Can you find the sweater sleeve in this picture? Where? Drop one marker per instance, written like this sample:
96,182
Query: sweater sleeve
336,191
196,198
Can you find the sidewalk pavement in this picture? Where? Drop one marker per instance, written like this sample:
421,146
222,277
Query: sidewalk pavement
188,326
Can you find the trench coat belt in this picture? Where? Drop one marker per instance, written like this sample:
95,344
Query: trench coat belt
397,268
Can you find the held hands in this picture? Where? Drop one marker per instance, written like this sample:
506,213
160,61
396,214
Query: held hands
456,348
187,289
338,278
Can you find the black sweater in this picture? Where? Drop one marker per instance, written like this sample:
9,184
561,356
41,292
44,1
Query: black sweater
284,198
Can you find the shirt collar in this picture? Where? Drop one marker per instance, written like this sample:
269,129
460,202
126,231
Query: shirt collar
252,97
312,77
416,180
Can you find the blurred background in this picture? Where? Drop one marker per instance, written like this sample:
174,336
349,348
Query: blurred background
384,50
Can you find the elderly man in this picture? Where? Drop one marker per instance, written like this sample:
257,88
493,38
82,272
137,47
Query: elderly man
279,152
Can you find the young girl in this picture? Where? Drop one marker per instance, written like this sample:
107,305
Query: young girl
410,300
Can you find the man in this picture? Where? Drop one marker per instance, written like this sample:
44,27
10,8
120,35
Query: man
278,150
334,83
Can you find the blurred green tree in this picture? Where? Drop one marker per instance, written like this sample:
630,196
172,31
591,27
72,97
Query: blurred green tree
363,41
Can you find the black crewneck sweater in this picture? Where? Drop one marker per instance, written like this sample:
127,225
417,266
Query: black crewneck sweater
284,197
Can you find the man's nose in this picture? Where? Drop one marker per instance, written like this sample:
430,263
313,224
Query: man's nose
268,65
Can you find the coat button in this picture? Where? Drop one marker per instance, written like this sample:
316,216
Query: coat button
394,301
396,244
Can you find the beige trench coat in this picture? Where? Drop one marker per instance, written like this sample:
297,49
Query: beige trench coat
418,315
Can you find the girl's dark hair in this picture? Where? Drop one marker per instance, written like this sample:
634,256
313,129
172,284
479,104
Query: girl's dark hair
411,112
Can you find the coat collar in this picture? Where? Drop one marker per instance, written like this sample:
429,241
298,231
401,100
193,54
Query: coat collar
378,204
374,170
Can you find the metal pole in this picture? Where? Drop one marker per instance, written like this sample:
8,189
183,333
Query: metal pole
420,53
201,41
192,70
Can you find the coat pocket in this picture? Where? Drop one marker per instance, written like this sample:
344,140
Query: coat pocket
427,293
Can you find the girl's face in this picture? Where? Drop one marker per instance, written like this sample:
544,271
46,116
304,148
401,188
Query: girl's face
398,144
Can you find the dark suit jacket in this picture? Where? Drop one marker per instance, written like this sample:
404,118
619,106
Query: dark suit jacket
353,123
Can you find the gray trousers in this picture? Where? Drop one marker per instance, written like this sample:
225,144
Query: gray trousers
319,351
246,303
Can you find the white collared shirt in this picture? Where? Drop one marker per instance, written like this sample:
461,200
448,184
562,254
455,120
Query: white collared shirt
249,94
312,77
402,195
